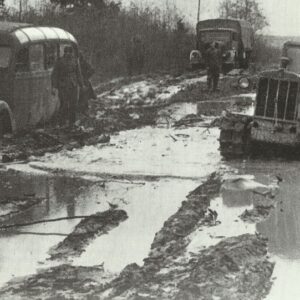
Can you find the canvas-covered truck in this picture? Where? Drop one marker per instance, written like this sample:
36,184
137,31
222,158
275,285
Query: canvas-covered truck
275,125
235,37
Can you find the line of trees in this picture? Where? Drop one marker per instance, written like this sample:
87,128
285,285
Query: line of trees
104,30
251,11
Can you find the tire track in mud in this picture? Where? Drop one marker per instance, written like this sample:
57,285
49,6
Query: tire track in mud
235,268
87,229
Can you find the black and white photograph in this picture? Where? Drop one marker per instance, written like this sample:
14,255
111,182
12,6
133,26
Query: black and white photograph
149,150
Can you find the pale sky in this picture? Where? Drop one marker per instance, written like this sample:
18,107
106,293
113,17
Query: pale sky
283,15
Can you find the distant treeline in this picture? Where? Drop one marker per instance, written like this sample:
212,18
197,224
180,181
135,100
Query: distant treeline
264,53
104,34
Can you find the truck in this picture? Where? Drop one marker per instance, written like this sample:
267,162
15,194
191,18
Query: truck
235,38
274,128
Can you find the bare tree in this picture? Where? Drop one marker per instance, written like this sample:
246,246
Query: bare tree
249,10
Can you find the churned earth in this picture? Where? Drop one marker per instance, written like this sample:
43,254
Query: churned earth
154,212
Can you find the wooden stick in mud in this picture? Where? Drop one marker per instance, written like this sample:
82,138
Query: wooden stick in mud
44,221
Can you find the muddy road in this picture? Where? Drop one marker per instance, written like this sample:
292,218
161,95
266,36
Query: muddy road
160,214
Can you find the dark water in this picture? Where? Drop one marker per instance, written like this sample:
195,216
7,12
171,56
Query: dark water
282,228
148,204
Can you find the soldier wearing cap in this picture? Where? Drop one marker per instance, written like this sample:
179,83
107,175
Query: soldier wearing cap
67,79
87,92
214,64
135,56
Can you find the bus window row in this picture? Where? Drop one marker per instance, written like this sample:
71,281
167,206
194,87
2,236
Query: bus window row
38,57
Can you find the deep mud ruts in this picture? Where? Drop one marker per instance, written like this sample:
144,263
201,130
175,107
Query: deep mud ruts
235,268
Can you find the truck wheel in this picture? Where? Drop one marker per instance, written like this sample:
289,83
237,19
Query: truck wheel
235,136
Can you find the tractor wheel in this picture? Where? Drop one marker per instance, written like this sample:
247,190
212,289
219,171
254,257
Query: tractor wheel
235,136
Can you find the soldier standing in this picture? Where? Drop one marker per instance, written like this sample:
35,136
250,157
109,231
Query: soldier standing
87,92
214,63
135,56
67,79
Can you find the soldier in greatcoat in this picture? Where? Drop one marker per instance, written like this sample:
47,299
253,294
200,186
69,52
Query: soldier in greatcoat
135,56
67,79
214,64
87,92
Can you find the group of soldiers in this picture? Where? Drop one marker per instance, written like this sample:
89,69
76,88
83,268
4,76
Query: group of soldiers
71,77
71,80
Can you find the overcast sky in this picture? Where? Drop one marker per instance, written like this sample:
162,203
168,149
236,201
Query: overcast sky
283,15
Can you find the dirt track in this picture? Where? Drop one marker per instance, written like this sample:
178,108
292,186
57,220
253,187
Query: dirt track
236,267
181,240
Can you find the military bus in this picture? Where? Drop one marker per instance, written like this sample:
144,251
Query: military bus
27,57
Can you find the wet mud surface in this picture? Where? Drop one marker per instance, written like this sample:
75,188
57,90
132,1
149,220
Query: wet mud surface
16,205
169,272
62,282
94,225
177,223
121,105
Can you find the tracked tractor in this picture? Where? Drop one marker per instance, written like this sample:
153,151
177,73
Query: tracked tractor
275,126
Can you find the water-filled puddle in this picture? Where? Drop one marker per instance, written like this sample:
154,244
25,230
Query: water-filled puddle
282,228
176,160
24,249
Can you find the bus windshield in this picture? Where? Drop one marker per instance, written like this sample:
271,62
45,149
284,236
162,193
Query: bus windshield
5,53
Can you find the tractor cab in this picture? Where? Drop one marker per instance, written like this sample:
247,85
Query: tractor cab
290,59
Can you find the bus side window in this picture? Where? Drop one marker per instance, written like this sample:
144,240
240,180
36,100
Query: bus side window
36,57
50,55
22,60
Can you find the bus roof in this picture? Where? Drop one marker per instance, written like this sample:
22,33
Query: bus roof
26,33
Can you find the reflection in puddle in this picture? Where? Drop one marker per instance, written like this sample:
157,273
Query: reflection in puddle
148,208
282,228
178,165
128,243
21,251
